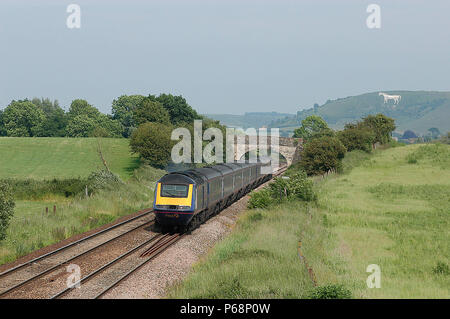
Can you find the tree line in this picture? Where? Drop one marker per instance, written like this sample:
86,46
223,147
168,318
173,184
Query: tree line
325,148
46,118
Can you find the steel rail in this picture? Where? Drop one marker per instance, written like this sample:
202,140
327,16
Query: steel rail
160,246
98,270
172,241
70,259
160,243
74,243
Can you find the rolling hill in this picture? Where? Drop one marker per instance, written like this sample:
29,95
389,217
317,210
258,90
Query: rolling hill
417,111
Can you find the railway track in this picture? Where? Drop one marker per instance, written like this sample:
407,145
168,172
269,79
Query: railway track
21,275
121,266
136,260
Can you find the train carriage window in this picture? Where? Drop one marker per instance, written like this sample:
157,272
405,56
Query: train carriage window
168,190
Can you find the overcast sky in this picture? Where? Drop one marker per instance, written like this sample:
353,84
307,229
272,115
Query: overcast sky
222,56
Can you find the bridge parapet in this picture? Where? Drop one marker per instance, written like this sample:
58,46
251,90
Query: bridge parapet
289,147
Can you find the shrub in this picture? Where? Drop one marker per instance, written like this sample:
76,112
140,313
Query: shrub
330,292
152,142
102,179
313,126
6,208
260,199
321,155
301,187
296,186
354,138
381,125
34,189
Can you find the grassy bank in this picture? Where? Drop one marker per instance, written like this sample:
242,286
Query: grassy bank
390,208
393,210
31,228
259,259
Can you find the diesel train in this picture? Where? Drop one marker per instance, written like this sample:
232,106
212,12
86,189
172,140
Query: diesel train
185,199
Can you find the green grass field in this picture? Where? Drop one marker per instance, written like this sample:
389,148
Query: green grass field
258,260
391,209
47,157
31,228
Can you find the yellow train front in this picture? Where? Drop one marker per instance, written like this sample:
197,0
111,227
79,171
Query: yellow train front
174,203
184,200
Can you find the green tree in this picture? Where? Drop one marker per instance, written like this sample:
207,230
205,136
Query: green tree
313,126
2,125
84,120
55,121
123,109
381,125
110,127
81,126
151,111
6,208
152,142
82,107
179,110
355,138
24,119
321,155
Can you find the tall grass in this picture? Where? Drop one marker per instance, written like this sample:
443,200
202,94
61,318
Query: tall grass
382,210
395,214
259,259
32,228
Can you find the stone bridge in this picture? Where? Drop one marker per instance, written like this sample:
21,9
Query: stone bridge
290,148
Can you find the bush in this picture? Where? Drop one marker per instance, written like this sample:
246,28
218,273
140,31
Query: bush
6,208
330,292
321,155
301,187
102,179
152,142
354,138
34,189
260,199
296,186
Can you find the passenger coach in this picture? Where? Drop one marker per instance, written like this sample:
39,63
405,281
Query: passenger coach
185,199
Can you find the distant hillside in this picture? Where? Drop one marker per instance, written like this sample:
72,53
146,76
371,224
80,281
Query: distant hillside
417,111
250,119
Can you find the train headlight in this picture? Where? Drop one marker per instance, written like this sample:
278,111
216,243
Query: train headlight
183,207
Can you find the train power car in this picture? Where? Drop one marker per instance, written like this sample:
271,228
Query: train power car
185,199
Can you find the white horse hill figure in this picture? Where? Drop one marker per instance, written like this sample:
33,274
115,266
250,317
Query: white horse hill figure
388,97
